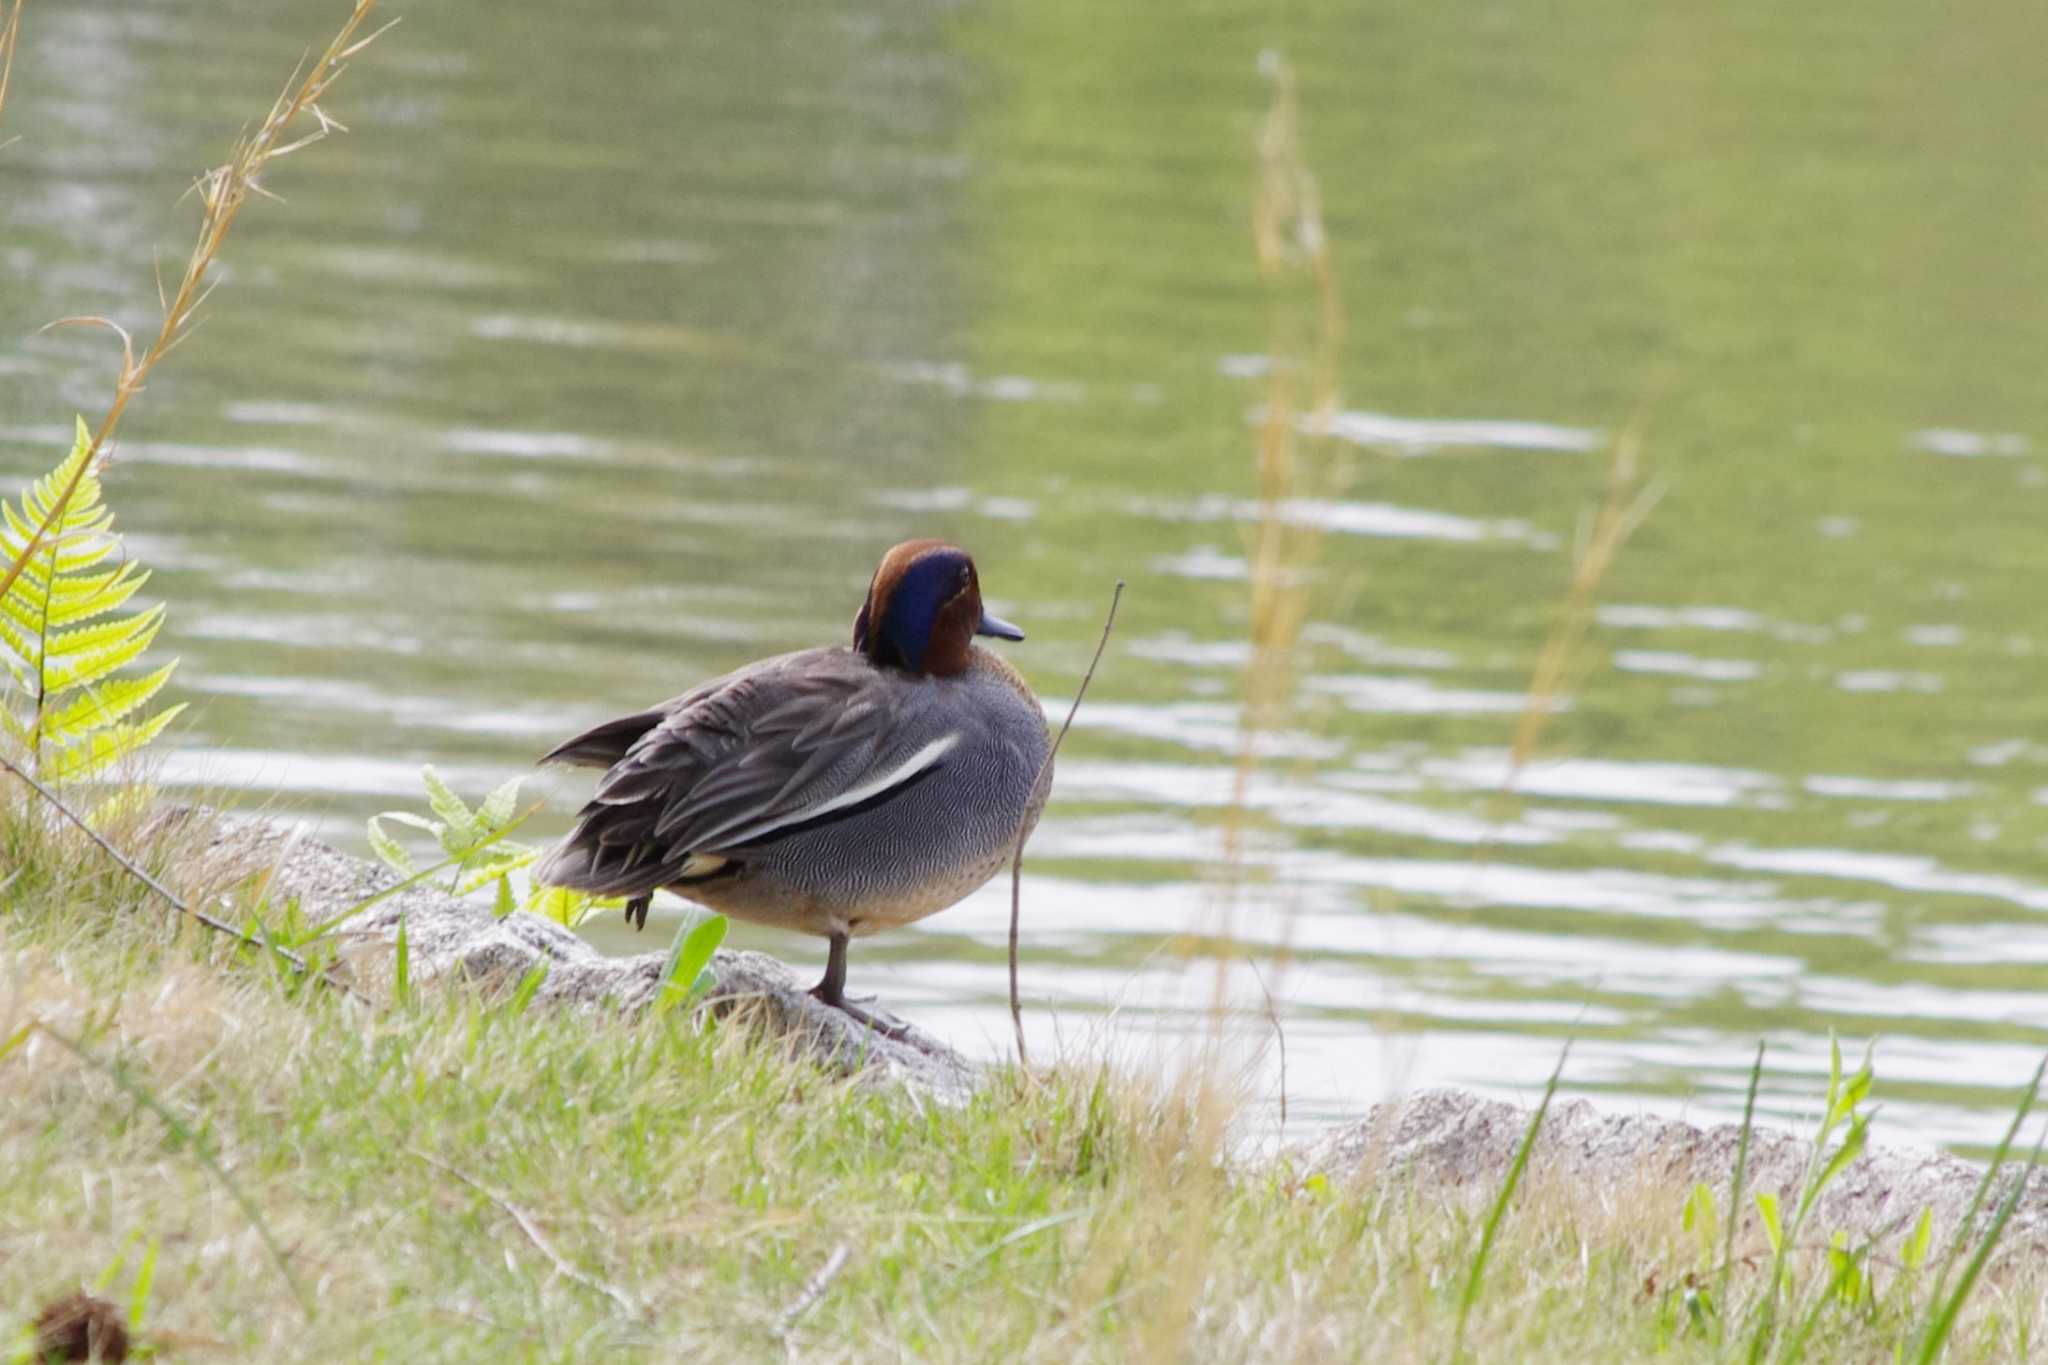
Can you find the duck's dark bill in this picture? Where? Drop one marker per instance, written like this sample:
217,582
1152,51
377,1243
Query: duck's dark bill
992,624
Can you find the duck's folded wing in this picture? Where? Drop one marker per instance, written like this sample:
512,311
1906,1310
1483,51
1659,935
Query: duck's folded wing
767,755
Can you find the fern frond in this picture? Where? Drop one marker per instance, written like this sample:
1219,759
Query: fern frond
94,708
103,748
84,596
485,873
62,637
69,665
18,654
85,545
85,654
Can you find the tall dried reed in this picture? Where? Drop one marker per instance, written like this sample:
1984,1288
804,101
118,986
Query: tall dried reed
10,37
1602,532
1294,460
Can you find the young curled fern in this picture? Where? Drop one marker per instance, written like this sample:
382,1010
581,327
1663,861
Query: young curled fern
63,634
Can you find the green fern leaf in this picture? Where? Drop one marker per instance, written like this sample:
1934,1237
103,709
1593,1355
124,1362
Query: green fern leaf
84,654
485,873
496,811
103,748
85,544
461,834
68,669
64,635
95,708
18,654
88,595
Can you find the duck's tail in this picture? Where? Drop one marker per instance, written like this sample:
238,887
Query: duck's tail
604,745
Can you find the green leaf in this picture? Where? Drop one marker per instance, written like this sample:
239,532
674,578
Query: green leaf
1834,1081
1767,1205
85,654
1913,1254
688,957
483,874
101,750
496,811
446,804
1859,1086
72,600
64,702
98,707
388,850
1851,1148
503,904
402,979
529,986
411,821
145,1276
1701,1219
16,1039
566,907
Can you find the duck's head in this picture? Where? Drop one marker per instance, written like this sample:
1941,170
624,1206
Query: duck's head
924,610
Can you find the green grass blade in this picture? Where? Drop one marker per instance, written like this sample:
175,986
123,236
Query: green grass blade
1935,1339
402,982
1476,1276
145,1276
529,986
688,956
1944,1322
2012,1132
1736,1190
142,1095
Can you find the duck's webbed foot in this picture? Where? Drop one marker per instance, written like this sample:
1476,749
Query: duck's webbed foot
832,991
636,910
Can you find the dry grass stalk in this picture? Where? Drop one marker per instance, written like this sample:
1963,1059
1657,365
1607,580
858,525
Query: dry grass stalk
10,37
1622,509
1304,338
222,192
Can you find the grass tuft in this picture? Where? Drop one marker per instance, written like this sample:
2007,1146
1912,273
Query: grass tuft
1085,1213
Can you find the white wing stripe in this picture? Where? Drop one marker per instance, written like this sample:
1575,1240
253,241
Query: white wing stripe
896,777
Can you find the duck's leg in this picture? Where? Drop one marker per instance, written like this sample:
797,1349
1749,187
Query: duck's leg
832,991
636,910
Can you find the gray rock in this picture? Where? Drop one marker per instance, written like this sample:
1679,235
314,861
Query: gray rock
446,936
1449,1138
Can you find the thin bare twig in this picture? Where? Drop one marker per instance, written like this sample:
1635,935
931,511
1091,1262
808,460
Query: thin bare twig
814,1288
1278,1032
618,1296
1017,861
170,898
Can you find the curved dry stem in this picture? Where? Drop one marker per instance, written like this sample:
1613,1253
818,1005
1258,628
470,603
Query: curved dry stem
1017,860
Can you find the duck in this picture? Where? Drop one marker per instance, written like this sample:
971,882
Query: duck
837,791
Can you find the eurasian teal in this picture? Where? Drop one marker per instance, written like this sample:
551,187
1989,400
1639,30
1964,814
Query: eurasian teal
837,790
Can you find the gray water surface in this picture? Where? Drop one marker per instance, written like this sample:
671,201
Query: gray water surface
613,344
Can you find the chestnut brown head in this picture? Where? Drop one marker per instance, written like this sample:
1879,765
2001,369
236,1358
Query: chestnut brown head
924,609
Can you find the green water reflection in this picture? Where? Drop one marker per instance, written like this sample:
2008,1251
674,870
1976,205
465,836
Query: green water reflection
614,343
